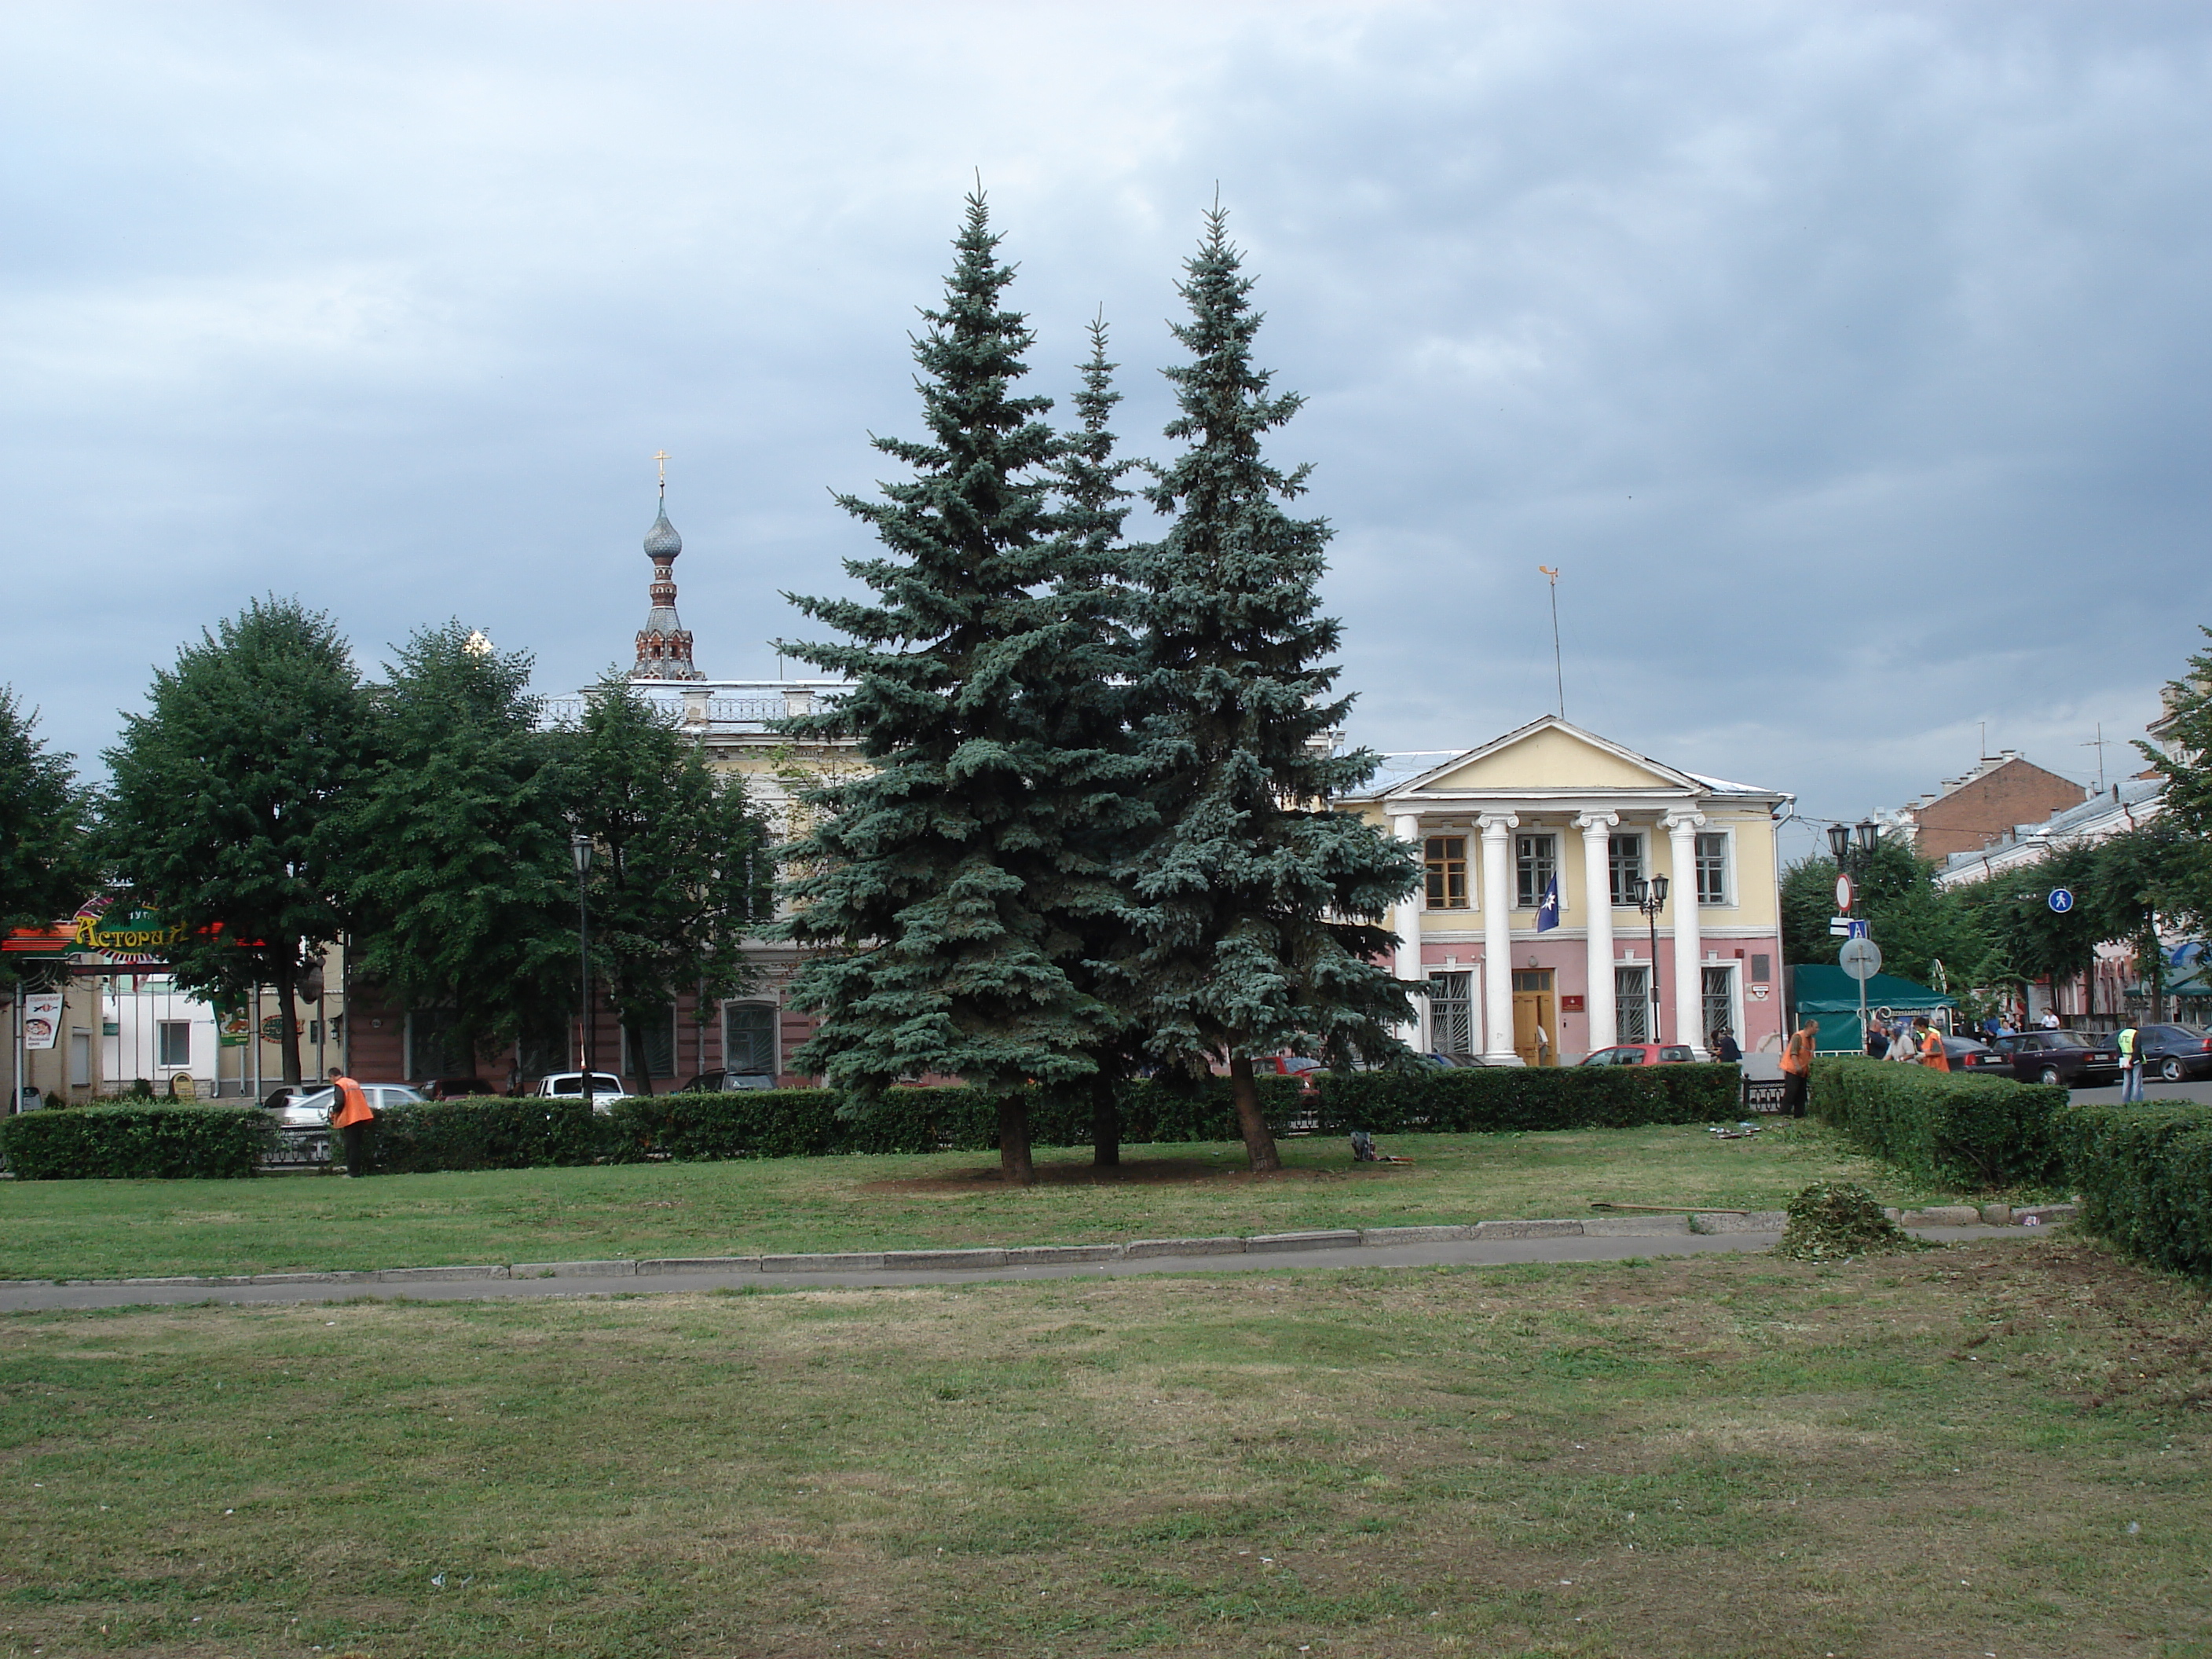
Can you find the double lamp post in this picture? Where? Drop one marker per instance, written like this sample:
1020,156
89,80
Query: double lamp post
580,849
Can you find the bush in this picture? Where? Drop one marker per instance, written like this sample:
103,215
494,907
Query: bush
1967,1133
2145,1177
1487,1098
488,1134
135,1143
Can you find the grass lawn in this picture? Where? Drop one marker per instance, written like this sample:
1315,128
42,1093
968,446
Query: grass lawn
122,1229
1995,1449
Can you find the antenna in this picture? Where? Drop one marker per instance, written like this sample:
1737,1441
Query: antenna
2098,743
1558,672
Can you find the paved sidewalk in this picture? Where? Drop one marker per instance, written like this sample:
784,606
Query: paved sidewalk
1474,1252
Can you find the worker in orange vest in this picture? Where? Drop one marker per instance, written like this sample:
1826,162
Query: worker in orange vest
1931,1046
350,1116
1797,1066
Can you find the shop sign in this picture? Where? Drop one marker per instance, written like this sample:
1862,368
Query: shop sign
136,937
42,1019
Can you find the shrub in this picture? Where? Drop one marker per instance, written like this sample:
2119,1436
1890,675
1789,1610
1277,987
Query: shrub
135,1143
1485,1098
492,1132
1968,1134
2145,1177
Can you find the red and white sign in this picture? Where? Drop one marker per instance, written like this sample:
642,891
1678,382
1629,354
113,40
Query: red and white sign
1844,893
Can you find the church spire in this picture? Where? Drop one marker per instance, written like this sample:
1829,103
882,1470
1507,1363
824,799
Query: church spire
663,644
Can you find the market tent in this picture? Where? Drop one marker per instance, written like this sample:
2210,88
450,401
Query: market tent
1831,996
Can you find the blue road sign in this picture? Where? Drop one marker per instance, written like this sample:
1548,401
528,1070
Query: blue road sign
2062,899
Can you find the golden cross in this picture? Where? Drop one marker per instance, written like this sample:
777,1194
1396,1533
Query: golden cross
662,456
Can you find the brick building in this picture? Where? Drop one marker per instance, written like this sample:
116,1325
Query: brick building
2001,795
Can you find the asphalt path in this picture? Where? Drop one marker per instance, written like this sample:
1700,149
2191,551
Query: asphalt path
2154,1092
25,1297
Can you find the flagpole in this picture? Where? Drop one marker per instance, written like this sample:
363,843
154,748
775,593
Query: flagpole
1558,671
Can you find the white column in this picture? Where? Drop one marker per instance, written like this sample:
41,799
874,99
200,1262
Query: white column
1497,939
1597,902
1406,922
1689,941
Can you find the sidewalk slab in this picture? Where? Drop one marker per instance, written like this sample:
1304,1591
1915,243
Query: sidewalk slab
1184,1247
1757,1221
1546,1229
1380,1238
855,1262
699,1264
1636,1226
405,1275
1942,1215
1040,1255
944,1261
624,1269
1342,1239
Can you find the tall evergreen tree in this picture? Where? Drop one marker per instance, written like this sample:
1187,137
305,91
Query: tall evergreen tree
462,886
46,864
1261,924
680,872
226,795
941,885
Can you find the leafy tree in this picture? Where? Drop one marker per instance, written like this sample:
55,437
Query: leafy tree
1916,923
2032,940
948,884
462,886
46,864
2131,876
226,795
2184,760
1260,919
681,869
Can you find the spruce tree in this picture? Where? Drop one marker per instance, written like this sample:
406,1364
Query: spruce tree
1262,918
944,886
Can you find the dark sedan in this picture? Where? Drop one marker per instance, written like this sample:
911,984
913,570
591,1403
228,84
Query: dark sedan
2065,1057
2174,1052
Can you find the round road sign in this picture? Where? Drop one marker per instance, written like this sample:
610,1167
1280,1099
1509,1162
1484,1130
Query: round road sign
1844,893
1861,958
2062,899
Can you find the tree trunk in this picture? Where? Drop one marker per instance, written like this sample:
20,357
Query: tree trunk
1015,1167
1106,1117
288,1021
1251,1122
636,1031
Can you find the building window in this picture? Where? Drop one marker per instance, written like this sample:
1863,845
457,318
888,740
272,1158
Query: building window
1446,859
1631,1001
173,1038
1712,869
80,1060
431,1050
1624,863
1718,989
1532,979
1537,860
1451,1013
658,1058
748,1038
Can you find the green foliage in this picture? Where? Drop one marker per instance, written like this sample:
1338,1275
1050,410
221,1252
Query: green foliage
1485,1099
2145,1177
1838,1221
490,1134
224,812
682,871
950,884
47,864
2183,758
1965,1132
1261,908
462,886
1916,923
135,1143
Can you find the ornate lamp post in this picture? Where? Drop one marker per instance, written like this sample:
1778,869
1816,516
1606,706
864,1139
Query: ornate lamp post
580,847
1651,899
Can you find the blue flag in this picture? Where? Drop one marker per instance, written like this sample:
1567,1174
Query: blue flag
1547,913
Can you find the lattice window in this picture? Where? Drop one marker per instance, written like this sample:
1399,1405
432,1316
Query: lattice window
1445,857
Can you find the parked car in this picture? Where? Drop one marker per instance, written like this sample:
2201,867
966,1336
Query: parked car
606,1087
1966,1054
309,1107
2174,1052
716,1083
2062,1057
456,1088
1639,1054
1291,1064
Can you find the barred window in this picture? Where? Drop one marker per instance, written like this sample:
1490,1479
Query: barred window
1716,988
1712,869
1623,866
1451,1013
1537,860
1632,1002
1445,857
749,1037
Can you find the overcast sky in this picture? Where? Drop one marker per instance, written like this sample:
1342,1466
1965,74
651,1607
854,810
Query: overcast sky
1850,361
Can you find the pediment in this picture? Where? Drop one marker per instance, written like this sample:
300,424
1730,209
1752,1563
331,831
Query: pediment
1549,755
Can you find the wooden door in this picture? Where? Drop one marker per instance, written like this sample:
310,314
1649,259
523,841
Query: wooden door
1533,1009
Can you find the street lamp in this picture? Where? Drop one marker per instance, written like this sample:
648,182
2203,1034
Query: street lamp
580,849
1651,898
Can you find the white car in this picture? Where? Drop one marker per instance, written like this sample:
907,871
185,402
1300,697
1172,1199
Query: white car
309,1108
607,1088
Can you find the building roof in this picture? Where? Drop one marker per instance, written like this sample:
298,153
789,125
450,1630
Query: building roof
2127,803
1561,758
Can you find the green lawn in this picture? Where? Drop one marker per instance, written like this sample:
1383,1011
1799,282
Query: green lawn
1994,1448
115,1228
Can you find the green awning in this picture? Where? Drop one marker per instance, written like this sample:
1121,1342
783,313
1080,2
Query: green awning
1831,996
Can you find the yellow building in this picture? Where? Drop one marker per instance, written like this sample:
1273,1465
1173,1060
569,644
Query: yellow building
1527,929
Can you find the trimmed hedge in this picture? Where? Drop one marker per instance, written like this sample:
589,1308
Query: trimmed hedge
1970,1133
493,1133
135,1143
2145,1177
1486,1098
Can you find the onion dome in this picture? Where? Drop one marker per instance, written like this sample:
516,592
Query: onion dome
661,542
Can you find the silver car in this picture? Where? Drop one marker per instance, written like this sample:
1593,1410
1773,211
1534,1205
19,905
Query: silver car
310,1108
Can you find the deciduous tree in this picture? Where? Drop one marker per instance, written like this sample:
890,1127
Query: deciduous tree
46,861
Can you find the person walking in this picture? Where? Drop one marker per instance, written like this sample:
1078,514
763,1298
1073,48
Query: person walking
2130,1045
1725,1048
1797,1066
350,1116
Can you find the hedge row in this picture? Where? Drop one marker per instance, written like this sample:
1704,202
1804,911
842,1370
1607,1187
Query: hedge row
1951,1130
2145,1177
1475,1099
140,1143
496,1132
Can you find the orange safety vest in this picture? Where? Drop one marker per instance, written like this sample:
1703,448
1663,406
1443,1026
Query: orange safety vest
1797,1058
1931,1051
353,1104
